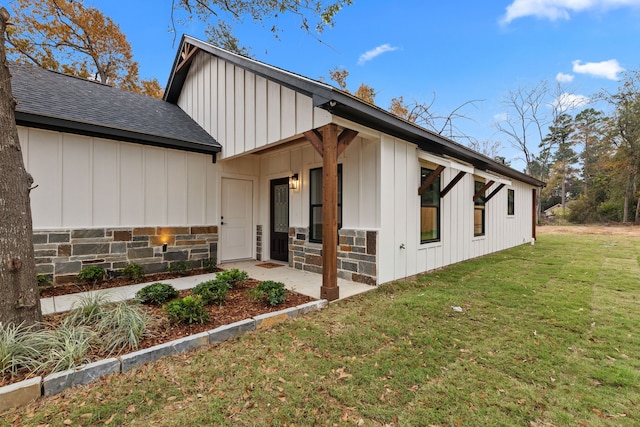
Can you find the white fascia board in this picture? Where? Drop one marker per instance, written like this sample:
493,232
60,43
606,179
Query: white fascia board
492,177
423,155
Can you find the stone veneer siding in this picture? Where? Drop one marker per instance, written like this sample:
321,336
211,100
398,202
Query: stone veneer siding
258,242
61,254
357,254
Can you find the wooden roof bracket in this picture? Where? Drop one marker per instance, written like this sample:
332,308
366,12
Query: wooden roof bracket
480,193
429,180
452,184
186,55
344,139
494,192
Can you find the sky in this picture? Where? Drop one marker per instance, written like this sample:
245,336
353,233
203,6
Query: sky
442,52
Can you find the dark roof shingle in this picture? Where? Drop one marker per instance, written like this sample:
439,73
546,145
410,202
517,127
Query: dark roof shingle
57,101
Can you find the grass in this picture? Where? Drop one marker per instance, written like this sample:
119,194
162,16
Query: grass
548,336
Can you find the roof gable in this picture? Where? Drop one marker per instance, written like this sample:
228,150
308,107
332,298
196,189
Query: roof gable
338,103
56,101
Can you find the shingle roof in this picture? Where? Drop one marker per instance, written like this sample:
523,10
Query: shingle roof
51,100
342,104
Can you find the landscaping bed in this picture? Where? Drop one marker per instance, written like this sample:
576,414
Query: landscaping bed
239,305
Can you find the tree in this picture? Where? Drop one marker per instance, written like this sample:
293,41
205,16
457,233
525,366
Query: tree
564,157
421,114
66,36
312,14
20,301
364,92
588,133
626,128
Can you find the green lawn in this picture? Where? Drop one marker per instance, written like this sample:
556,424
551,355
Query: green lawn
549,335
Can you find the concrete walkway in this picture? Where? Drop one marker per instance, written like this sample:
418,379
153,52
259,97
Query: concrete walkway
303,282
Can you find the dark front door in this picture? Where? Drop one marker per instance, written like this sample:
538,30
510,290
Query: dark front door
280,219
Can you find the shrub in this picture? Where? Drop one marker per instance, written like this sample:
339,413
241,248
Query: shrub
122,326
156,293
232,276
43,280
210,264
179,267
189,309
134,272
271,292
212,291
92,274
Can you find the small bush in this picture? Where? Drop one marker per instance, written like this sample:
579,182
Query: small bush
189,309
271,292
179,267
232,276
212,291
92,274
210,264
134,272
156,293
43,280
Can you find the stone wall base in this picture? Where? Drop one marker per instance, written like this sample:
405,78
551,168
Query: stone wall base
61,254
357,254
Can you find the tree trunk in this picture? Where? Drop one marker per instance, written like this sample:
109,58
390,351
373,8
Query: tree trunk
564,189
20,301
625,208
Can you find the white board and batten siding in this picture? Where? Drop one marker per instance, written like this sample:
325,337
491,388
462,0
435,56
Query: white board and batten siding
244,111
400,253
93,182
360,169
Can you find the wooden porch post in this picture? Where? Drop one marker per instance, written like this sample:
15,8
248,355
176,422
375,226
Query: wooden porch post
330,145
329,289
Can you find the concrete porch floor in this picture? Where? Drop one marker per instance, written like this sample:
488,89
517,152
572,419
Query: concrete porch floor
303,282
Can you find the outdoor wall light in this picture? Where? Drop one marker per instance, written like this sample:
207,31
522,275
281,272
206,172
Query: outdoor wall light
164,247
294,182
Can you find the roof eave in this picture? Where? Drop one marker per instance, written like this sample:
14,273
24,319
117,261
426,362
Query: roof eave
375,118
88,129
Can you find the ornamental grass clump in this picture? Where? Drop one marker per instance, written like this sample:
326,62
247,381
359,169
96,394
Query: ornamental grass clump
156,293
18,348
212,291
122,326
64,347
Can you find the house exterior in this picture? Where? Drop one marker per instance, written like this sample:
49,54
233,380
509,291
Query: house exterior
260,163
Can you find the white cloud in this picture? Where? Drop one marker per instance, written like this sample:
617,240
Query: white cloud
500,117
559,9
607,69
570,101
370,54
564,78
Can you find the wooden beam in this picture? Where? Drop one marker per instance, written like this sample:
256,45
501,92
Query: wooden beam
494,192
429,180
329,289
481,191
314,137
186,56
345,139
452,184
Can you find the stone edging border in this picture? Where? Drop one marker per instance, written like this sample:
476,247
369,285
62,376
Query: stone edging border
23,392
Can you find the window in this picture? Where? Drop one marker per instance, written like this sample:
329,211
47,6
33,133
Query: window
478,210
429,209
511,202
315,203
